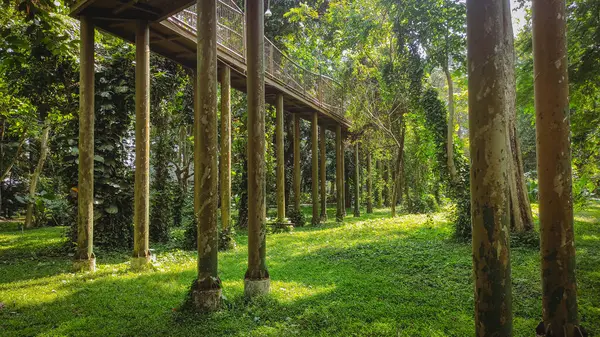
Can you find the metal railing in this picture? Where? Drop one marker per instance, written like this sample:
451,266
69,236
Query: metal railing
318,89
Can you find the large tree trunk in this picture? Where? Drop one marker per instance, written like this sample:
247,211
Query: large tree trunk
521,217
450,133
397,176
36,174
488,30
559,286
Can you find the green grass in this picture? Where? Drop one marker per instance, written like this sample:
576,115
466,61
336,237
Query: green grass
371,276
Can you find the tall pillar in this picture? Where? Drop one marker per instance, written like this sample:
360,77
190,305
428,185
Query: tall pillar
369,184
488,48
225,157
141,211
280,158
356,182
85,258
206,290
323,174
559,286
314,139
339,189
296,180
256,281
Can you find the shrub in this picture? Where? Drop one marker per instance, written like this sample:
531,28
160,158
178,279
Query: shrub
296,217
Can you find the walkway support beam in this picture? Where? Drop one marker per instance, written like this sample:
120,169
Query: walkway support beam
279,144
206,290
141,212
489,47
314,140
85,259
560,316
225,158
256,281
323,173
356,181
339,173
296,180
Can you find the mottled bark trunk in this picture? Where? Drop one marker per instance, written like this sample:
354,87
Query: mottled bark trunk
225,155
379,185
450,131
387,175
559,286
35,177
356,181
84,257
369,185
323,174
521,216
314,142
141,215
206,288
488,24
297,177
280,158
339,197
397,176
256,279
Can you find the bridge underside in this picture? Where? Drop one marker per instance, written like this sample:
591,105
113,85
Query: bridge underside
119,18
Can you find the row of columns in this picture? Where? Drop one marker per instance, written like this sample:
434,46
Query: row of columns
206,290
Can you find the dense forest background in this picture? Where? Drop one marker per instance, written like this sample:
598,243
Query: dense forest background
402,67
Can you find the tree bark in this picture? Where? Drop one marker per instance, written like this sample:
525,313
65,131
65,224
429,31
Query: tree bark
314,140
450,133
323,173
256,281
225,155
559,286
141,215
280,158
356,182
36,173
488,53
206,290
369,185
397,176
84,257
379,170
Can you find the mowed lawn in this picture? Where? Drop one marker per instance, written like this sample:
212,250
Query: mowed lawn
371,276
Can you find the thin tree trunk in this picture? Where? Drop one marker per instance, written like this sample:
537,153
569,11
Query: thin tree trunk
488,25
356,182
36,174
369,185
450,133
559,285
397,177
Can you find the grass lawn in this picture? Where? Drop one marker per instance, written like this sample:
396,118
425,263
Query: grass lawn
371,276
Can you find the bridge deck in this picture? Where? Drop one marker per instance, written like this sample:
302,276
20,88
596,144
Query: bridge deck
172,35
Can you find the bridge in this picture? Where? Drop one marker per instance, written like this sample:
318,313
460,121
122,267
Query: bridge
221,43
173,35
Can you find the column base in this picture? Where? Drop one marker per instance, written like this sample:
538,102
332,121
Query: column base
256,288
205,300
80,265
141,263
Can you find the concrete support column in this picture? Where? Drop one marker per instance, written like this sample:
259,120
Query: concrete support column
356,182
369,185
141,211
339,184
280,158
323,174
206,290
559,285
225,159
314,139
296,182
256,281
85,259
